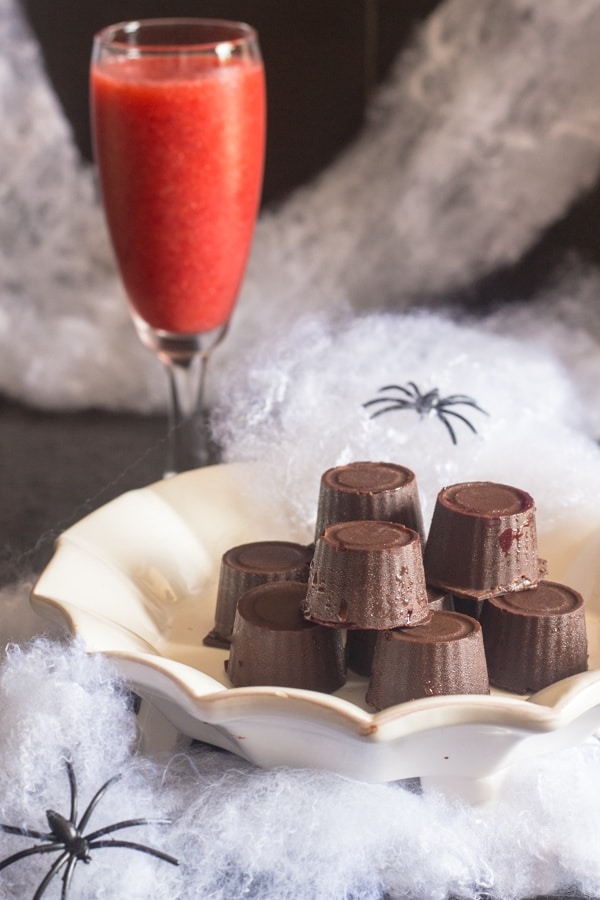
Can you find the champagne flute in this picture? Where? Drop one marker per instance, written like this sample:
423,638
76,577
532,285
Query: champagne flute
178,122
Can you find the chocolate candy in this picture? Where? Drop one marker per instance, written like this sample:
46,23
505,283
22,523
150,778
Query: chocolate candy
534,638
483,541
360,644
246,566
272,642
369,490
367,574
445,656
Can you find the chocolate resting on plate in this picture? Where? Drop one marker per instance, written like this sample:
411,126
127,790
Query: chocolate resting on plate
446,656
367,574
534,638
483,541
246,566
369,490
360,643
273,644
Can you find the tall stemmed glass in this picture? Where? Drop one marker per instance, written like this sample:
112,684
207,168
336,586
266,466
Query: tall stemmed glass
178,119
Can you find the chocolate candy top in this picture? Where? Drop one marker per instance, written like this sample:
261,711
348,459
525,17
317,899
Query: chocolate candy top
266,557
367,477
369,490
444,626
275,606
547,599
482,540
369,536
486,498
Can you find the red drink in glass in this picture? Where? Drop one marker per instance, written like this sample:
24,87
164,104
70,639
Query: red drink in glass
180,154
178,115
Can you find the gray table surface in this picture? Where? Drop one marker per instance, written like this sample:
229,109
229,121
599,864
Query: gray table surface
57,467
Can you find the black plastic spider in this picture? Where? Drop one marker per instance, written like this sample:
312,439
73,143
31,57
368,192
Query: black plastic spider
66,837
425,404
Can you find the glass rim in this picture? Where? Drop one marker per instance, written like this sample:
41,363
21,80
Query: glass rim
241,33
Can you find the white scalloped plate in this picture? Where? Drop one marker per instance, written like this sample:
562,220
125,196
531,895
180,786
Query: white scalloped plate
136,580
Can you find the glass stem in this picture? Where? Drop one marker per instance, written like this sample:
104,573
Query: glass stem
185,359
187,438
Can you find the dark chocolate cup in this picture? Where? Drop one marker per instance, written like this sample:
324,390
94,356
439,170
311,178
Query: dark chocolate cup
534,638
248,565
446,656
369,490
440,600
273,644
367,574
483,541
360,643
470,606
360,646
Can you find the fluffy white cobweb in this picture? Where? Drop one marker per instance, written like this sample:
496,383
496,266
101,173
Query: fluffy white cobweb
294,405
279,834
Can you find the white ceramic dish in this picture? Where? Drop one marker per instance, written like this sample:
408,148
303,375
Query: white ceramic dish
136,580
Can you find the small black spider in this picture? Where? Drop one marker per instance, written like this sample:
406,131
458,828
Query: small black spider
426,404
66,837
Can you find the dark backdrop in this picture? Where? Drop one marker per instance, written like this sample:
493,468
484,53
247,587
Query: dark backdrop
322,59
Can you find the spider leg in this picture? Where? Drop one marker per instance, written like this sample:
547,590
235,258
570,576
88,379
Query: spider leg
31,851
450,412
378,400
396,404
56,866
73,787
442,418
68,874
130,823
132,845
461,399
399,387
27,832
95,801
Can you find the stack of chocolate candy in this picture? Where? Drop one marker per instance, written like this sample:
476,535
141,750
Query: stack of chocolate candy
367,576
482,548
470,610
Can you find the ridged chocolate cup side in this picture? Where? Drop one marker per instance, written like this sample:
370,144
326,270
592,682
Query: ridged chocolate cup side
273,644
360,643
369,490
535,637
367,574
248,565
446,656
483,541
